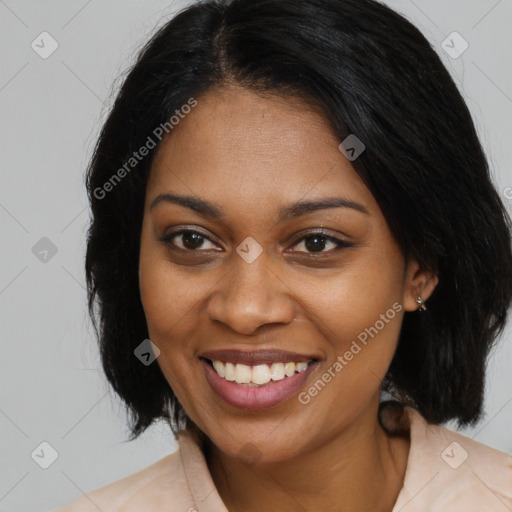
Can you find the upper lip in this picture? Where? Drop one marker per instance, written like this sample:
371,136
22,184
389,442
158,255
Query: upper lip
255,357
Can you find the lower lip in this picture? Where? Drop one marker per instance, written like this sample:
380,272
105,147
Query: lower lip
274,393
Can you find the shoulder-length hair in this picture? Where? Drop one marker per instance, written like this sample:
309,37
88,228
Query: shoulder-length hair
374,75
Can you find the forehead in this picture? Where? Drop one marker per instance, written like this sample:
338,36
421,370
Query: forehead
236,144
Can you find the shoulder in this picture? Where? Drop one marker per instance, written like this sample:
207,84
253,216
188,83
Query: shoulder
178,481
449,471
155,486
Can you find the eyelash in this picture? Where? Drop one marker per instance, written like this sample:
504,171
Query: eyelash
167,239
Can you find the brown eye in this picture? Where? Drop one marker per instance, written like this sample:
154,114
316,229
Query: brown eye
189,240
317,243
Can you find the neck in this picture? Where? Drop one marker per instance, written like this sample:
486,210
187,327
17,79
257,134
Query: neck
357,468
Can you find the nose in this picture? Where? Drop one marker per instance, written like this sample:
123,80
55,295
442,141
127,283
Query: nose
249,296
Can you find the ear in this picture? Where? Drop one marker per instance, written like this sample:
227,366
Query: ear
418,283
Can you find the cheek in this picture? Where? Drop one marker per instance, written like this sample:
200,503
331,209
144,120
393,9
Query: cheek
168,305
359,331
359,312
169,297
169,302
348,302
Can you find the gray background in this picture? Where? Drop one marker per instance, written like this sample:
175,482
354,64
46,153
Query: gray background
52,388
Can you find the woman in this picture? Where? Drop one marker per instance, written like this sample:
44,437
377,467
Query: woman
292,214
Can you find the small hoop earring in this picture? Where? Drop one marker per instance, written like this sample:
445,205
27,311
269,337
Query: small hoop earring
422,307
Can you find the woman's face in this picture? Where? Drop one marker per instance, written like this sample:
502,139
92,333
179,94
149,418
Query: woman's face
260,278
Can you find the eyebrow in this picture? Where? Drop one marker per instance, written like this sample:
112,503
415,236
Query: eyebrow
297,209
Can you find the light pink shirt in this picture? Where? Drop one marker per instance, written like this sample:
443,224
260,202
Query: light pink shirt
446,472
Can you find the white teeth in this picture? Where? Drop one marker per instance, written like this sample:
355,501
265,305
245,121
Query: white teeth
242,374
301,366
229,371
277,371
261,374
219,368
289,369
258,375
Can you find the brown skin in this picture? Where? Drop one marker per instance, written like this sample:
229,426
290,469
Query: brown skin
252,155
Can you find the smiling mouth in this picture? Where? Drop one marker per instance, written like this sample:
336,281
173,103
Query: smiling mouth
257,375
